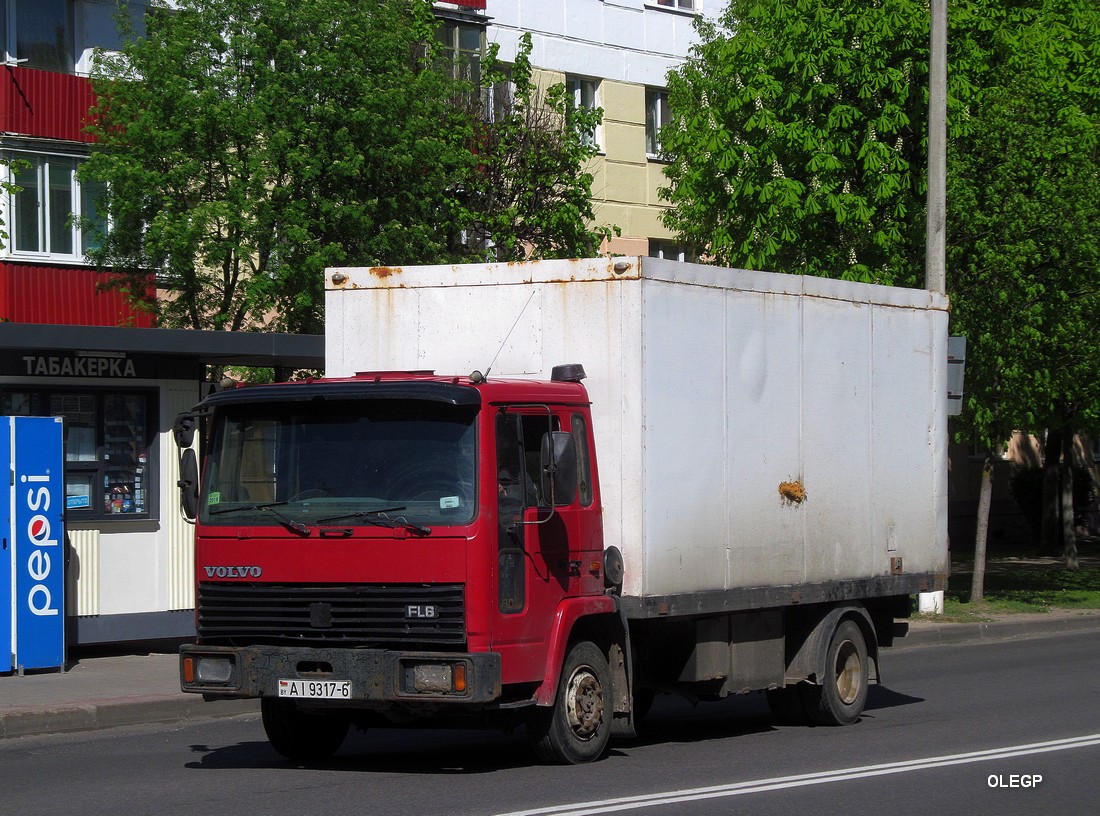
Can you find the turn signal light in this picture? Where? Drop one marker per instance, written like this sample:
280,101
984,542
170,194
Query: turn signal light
460,677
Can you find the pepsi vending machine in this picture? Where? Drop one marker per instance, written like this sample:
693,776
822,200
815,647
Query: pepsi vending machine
32,561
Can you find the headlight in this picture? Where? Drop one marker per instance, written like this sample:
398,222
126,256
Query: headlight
217,670
436,678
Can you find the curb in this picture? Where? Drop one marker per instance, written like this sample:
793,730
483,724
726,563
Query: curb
944,634
93,715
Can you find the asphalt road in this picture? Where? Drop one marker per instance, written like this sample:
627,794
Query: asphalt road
954,729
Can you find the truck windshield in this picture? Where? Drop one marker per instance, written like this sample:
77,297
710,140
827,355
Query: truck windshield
323,460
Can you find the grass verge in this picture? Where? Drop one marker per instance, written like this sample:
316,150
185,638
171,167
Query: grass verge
1018,589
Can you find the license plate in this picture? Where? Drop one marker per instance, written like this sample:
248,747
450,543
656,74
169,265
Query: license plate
316,689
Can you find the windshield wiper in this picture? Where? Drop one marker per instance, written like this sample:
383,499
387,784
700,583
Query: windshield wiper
269,507
379,519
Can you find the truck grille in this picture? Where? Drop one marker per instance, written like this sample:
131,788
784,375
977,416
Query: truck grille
372,615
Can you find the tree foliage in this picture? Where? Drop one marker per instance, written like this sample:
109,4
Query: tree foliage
798,141
248,144
1024,216
1024,256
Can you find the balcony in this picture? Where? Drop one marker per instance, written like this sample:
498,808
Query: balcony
44,104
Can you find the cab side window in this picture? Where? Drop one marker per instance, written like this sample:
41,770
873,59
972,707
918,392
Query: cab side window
579,430
519,450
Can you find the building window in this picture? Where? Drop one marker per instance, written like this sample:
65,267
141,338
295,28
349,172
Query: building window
500,97
38,33
656,117
683,5
52,213
463,46
108,447
584,95
671,251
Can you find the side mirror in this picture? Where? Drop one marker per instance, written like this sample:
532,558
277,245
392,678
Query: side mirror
189,483
183,429
558,466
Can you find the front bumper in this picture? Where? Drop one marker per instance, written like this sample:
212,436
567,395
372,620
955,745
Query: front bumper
377,676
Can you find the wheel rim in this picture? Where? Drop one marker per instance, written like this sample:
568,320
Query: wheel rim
849,672
584,703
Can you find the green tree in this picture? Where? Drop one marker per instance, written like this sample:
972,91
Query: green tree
248,144
798,144
1024,230
532,196
798,138
9,169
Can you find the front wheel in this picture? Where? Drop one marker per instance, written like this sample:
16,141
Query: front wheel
300,735
577,727
840,697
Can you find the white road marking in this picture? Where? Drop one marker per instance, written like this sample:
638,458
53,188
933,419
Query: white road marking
802,780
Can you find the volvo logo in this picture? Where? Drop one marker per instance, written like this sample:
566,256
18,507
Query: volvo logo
233,572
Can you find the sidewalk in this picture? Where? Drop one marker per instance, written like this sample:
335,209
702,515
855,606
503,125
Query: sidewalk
104,692
114,690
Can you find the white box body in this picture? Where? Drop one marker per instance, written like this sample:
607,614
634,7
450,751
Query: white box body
710,388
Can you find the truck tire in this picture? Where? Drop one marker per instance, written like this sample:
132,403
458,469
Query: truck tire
299,735
842,692
577,727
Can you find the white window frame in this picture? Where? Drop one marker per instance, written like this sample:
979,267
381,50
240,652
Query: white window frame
464,63
41,164
656,116
500,96
584,94
670,250
690,6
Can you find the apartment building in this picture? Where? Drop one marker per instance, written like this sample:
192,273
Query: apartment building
615,55
44,99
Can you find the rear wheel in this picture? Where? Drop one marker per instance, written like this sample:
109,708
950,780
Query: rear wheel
577,727
840,697
301,735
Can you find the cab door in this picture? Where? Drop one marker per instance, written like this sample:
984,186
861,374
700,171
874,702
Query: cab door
535,570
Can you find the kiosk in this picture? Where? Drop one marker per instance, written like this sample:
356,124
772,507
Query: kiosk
128,550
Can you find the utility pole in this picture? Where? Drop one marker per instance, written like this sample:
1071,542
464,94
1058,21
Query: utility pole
935,263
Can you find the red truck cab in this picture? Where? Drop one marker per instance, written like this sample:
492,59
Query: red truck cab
405,545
